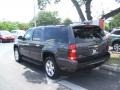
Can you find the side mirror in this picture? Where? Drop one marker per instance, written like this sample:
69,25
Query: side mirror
20,37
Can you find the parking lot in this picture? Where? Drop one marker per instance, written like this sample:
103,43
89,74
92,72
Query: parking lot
26,76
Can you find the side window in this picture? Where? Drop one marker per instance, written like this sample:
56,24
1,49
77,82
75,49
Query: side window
37,35
57,34
28,35
116,32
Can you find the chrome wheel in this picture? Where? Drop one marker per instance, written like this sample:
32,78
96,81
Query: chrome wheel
116,47
50,69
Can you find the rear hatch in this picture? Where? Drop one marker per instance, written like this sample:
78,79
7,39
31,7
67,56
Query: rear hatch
90,41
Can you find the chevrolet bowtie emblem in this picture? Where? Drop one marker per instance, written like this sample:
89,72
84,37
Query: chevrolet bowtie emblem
96,46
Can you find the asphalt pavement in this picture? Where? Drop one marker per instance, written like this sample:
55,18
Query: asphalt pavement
27,76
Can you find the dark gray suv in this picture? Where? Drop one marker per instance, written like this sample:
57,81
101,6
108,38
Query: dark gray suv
61,47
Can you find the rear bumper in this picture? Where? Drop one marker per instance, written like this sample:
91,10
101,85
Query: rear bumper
82,62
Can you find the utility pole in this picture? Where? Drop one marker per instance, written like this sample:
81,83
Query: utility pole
34,13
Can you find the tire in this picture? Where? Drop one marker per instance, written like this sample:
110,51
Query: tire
51,68
17,55
116,46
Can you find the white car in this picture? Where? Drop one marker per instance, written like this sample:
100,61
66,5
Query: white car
17,33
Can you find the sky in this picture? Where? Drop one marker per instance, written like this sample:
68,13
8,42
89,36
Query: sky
23,10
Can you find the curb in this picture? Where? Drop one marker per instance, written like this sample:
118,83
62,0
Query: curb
110,68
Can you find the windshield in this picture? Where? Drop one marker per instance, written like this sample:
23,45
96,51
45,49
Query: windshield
5,33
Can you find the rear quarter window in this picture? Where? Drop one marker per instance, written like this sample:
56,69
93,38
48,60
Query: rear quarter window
57,34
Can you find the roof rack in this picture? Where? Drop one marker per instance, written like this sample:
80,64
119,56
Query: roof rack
84,23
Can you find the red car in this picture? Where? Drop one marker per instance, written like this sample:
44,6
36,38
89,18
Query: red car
5,36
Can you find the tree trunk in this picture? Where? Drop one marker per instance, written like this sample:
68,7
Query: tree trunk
80,13
110,14
88,9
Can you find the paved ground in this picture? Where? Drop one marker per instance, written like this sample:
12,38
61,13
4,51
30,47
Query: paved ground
26,76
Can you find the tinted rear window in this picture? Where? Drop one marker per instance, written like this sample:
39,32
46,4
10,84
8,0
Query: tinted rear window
58,34
83,32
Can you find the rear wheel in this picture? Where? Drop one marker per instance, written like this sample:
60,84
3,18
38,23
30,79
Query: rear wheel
116,46
17,55
51,67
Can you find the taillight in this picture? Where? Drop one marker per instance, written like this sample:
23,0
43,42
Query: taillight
72,55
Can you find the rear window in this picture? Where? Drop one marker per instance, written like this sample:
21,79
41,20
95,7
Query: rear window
91,32
58,34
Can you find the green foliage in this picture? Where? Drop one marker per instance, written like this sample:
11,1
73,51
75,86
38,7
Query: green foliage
107,26
115,22
23,26
67,21
42,3
46,18
7,25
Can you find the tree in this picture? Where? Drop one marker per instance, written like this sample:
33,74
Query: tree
7,25
47,18
77,3
23,26
42,4
111,13
79,10
115,22
67,21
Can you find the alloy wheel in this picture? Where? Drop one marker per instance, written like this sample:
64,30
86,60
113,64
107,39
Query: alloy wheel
50,69
116,47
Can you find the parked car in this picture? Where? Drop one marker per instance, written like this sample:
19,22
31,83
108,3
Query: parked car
17,33
5,36
62,47
115,39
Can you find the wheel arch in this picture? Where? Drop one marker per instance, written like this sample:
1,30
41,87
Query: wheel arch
46,54
116,41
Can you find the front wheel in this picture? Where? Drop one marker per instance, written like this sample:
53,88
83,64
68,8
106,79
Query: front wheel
51,68
116,47
17,55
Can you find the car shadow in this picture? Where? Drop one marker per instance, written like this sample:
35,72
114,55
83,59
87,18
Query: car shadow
35,74
92,80
96,79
